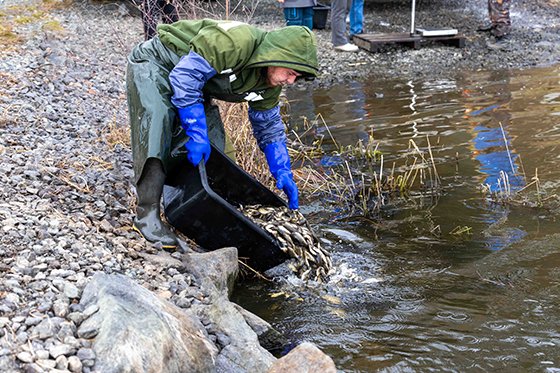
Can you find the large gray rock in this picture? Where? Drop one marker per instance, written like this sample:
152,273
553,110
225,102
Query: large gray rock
138,332
216,270
240,347
269,337
242,351
305,358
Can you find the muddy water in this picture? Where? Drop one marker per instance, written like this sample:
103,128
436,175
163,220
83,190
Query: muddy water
411,300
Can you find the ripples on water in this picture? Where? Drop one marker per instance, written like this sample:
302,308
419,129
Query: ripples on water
483,302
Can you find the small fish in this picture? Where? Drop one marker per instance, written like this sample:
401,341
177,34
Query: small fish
332,299
295,237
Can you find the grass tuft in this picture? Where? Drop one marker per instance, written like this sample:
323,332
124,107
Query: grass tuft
7,34
531,195
116,135
53,26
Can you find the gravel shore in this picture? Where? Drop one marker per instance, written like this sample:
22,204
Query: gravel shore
534,40
65,166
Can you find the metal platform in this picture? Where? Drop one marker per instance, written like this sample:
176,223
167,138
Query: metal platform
376,42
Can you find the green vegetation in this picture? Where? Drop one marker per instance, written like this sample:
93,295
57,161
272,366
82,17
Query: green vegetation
531,195
357,180
17,18
52,25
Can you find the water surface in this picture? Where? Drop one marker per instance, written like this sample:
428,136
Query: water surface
412,300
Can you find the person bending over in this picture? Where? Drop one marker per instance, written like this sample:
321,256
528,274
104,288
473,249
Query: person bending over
171,81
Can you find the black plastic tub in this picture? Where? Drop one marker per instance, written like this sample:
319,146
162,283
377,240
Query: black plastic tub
320,16
201,203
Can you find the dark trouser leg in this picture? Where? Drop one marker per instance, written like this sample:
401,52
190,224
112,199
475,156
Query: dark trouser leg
148,221
152,119
169,10
499,16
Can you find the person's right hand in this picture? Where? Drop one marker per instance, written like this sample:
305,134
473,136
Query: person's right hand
286,183
193,121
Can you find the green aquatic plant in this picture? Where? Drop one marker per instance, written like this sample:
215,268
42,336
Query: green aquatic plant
359,181
531,195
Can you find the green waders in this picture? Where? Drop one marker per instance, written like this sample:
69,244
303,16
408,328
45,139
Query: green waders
156,134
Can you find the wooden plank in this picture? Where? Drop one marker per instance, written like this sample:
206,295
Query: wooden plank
454,40
375,42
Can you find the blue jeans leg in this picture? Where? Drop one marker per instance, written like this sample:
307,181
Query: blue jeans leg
357,17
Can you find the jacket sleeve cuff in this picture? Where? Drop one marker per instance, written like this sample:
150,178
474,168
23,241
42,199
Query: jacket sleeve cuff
188,78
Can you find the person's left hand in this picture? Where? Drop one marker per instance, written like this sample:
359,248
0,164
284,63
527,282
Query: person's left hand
286,183
278,161
198,148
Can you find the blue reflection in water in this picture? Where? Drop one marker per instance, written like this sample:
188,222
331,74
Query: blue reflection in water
493,153
484,110
492,146
331,160
508,237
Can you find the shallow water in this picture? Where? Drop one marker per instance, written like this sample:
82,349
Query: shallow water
410,300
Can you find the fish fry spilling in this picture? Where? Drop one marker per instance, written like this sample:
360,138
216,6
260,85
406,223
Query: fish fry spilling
296,239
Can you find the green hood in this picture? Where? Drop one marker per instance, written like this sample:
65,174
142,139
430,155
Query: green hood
300,54
230,44
241,53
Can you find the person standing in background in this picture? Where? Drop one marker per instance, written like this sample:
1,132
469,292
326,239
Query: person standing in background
151,12
298,12
356,16
499,16
338,27
500,22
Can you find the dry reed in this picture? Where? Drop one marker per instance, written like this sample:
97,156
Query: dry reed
530,195
359,181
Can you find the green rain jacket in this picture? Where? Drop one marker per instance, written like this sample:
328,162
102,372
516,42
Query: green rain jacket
238,52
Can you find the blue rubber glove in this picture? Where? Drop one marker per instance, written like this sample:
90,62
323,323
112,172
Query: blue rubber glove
193,121
279,164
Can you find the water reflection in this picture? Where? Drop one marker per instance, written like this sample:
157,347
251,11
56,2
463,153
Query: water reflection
483,302
492,141
492,146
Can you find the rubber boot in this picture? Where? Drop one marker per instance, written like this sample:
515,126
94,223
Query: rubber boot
148,221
